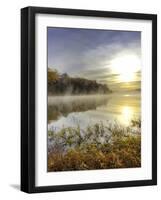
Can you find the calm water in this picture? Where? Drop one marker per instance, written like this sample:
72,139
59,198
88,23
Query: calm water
69,111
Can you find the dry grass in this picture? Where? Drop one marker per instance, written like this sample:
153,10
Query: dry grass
97,147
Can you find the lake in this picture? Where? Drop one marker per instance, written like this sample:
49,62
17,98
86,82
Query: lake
84,110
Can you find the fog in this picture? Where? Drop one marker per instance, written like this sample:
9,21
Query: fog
69,111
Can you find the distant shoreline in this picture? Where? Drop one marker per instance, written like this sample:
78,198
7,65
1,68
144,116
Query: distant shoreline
62,84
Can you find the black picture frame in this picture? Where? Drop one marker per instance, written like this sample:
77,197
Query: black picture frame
28,98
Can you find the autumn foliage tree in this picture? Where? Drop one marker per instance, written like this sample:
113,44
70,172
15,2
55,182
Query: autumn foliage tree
60,84
53,75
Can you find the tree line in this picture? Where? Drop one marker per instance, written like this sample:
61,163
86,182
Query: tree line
61,84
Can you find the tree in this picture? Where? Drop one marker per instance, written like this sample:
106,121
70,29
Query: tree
53,75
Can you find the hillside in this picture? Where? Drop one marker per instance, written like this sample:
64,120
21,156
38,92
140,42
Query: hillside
62,84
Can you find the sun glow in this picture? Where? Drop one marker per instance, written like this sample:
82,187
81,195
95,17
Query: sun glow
126,114
126,67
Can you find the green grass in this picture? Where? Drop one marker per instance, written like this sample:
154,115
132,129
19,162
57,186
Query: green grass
98,147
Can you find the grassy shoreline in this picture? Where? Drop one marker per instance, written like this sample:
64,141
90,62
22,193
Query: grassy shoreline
98,147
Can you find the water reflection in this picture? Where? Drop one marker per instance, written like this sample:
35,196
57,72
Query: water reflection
127,114
63,106
87,110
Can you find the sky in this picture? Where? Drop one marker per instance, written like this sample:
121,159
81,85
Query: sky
108,56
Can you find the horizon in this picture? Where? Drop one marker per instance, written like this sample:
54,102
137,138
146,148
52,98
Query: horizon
107,56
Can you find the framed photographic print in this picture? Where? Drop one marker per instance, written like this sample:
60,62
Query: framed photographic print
88,99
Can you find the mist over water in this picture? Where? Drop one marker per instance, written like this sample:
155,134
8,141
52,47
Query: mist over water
85,110
94,99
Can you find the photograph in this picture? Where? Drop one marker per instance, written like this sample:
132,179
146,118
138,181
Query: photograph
89,99
93,99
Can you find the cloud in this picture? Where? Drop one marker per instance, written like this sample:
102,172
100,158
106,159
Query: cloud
89,52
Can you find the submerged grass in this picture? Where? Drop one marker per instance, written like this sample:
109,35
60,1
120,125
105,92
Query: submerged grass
98,147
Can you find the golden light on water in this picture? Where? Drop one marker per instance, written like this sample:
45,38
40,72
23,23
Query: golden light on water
127,113
126,67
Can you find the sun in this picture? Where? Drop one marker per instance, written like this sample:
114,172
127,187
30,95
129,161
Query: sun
126,67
